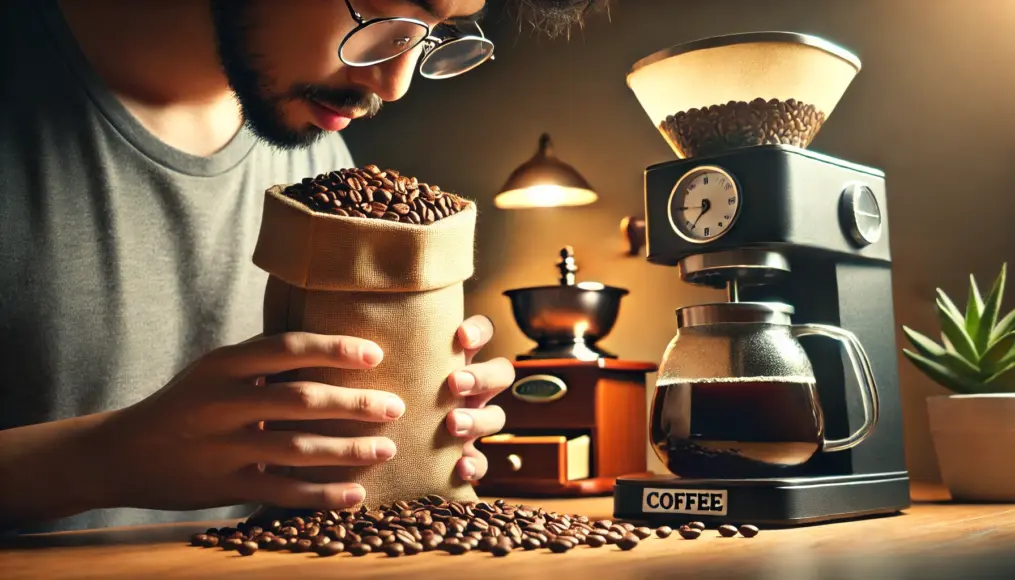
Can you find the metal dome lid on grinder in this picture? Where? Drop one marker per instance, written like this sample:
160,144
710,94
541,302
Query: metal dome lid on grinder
761,424
566,320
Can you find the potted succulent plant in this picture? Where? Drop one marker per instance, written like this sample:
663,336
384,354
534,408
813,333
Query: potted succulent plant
973,429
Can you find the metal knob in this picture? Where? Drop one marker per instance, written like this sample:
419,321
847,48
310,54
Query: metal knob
515,461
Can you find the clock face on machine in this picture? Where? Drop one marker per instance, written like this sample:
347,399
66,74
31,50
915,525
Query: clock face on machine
703,205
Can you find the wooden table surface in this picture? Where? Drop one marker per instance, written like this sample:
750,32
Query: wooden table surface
934,539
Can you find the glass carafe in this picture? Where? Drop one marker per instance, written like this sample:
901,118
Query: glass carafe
736,394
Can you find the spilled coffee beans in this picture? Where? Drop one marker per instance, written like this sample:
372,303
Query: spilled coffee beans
689,533
429,524
718,128
371,192
727,531
748,531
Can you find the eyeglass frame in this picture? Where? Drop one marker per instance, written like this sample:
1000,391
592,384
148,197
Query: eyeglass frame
430,43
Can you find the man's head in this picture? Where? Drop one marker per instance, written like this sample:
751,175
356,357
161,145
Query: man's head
282,58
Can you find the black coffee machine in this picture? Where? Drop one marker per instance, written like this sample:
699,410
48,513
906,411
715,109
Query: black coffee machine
754,425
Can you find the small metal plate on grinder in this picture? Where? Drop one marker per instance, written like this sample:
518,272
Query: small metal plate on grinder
539,389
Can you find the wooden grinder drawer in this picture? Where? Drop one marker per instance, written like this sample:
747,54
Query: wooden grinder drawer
535,458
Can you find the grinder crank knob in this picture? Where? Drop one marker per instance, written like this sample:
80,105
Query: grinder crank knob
567,267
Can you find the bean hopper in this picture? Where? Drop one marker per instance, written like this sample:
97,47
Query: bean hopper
779,405
575,416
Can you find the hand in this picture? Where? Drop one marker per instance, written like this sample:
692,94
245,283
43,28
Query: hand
196,443
478,383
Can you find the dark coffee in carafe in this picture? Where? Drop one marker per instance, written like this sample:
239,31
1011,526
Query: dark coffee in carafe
736,427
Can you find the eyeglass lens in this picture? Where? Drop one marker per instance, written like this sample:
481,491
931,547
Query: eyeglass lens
382,40
455,57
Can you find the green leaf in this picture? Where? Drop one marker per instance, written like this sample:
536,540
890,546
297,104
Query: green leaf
926,346
1002,328
950,359
990,309
942,375
974,308
952,326
995,384
998,353
945,303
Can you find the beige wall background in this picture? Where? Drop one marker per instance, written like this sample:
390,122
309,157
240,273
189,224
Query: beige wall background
933,107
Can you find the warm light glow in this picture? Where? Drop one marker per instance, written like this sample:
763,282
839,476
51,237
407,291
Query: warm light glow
544,196
581,328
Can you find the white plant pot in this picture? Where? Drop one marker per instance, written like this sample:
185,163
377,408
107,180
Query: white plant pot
974,438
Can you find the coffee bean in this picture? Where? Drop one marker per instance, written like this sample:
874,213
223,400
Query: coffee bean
330,549
727,531
247,548
413,548
373,541
642,533
210,541
664,532
454,548
689,533
357,193
500,550
198,539
277,544
394,550
232,544
697,526
595,541
748,531
359,550
628,542
559,546
301,546
613,537
487,543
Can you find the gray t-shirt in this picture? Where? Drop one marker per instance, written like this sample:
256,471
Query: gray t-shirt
121,259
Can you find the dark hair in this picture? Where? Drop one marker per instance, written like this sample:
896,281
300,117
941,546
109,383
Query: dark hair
555,17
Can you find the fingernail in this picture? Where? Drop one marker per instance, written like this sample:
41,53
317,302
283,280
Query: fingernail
468,469
354,495
371,354
384,449
464,382
463,423
472,334
394,408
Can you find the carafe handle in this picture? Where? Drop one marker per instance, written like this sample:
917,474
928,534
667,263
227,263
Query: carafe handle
864,374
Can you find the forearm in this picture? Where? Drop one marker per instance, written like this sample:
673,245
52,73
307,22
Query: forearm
50,471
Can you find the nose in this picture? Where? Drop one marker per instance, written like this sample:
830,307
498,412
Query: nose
389,80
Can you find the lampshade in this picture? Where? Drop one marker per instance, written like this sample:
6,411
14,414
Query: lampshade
544,181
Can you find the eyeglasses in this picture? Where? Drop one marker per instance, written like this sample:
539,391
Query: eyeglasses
381,39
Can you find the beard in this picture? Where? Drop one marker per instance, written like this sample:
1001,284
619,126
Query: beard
252,84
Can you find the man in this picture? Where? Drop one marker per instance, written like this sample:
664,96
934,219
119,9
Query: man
136,140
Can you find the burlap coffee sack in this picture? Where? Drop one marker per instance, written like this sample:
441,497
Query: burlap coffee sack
399,285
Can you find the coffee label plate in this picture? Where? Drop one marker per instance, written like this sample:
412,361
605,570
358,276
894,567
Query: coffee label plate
698,502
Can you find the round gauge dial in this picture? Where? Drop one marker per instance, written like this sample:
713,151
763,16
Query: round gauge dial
704,203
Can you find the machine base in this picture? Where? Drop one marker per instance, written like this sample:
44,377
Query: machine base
772,502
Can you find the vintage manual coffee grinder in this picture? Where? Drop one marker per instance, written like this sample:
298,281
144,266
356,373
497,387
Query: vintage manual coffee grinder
575,416
754,422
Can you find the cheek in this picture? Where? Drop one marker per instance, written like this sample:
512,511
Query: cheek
298,41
